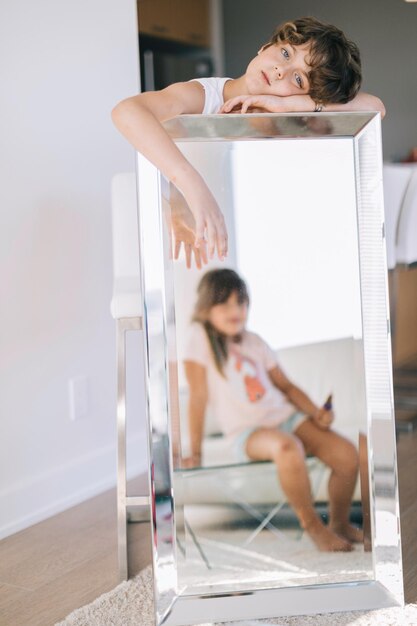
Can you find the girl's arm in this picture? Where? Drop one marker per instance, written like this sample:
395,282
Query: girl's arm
139,119
302,104
322,417
197,401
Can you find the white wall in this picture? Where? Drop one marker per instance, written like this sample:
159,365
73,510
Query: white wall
64,66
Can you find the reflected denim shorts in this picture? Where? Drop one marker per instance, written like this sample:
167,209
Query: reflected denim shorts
239,444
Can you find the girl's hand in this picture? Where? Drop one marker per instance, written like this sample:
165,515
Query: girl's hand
184,235
323,418
208,220
268,104
184,231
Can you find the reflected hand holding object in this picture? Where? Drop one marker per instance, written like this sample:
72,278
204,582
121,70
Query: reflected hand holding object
324,416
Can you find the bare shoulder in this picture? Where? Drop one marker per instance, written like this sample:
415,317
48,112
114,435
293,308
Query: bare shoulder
190,93
176,99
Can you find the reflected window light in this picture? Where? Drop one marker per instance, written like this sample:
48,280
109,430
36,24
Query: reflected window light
306,257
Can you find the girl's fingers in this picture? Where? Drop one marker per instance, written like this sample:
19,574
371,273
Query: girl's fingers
211,239
230,104
197,258
177,249
199,231
188,255
203,252
222,245
216,236
249,102
222,239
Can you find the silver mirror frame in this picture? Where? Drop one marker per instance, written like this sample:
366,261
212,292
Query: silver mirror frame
386,589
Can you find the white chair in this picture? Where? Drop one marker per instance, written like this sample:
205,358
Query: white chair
396,177
126,309
400,197
407,225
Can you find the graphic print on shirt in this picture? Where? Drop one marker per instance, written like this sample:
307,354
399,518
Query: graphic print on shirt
248,369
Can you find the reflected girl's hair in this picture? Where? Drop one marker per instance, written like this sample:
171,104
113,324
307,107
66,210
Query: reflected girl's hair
335,74
216,287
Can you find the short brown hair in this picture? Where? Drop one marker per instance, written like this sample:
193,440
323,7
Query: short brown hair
335,62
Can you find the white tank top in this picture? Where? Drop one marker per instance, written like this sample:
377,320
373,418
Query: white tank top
213,88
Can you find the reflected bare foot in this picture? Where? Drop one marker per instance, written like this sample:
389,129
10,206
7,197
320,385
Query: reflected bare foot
325,539
349,532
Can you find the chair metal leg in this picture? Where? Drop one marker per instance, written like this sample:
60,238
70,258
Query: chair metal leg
316,470
123,501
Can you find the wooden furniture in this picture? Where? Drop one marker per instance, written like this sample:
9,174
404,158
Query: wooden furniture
183,21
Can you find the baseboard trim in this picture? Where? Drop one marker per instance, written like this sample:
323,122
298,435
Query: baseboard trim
34,500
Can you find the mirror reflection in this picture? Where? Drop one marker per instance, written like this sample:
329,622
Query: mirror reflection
267,381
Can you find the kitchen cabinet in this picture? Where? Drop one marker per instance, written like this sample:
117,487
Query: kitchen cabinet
185,21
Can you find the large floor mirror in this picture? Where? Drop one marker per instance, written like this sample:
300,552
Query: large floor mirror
302,199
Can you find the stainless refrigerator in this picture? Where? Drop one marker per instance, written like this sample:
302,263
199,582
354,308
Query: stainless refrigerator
162,64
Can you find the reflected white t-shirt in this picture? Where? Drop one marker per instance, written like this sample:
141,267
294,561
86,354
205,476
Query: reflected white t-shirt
245,396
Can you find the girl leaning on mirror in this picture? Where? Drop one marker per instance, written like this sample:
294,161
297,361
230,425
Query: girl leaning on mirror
307,65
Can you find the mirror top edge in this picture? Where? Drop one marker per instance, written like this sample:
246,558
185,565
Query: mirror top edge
267,126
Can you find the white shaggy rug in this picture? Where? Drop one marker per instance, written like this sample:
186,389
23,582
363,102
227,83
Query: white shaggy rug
131,604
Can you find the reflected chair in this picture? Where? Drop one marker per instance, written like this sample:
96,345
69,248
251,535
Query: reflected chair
126,309
227,486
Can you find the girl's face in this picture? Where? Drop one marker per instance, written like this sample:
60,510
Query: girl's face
229,317
281,69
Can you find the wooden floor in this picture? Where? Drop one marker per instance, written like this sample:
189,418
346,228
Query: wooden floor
67,561
56,566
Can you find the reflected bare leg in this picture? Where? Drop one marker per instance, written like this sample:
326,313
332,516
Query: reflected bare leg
341,456
287,453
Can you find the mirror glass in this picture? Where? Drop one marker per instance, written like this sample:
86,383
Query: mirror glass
231,372
293,239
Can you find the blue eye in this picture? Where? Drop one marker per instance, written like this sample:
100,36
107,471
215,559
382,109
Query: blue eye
285,53
299,81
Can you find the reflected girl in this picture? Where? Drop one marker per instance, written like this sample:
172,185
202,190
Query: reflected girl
264,414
